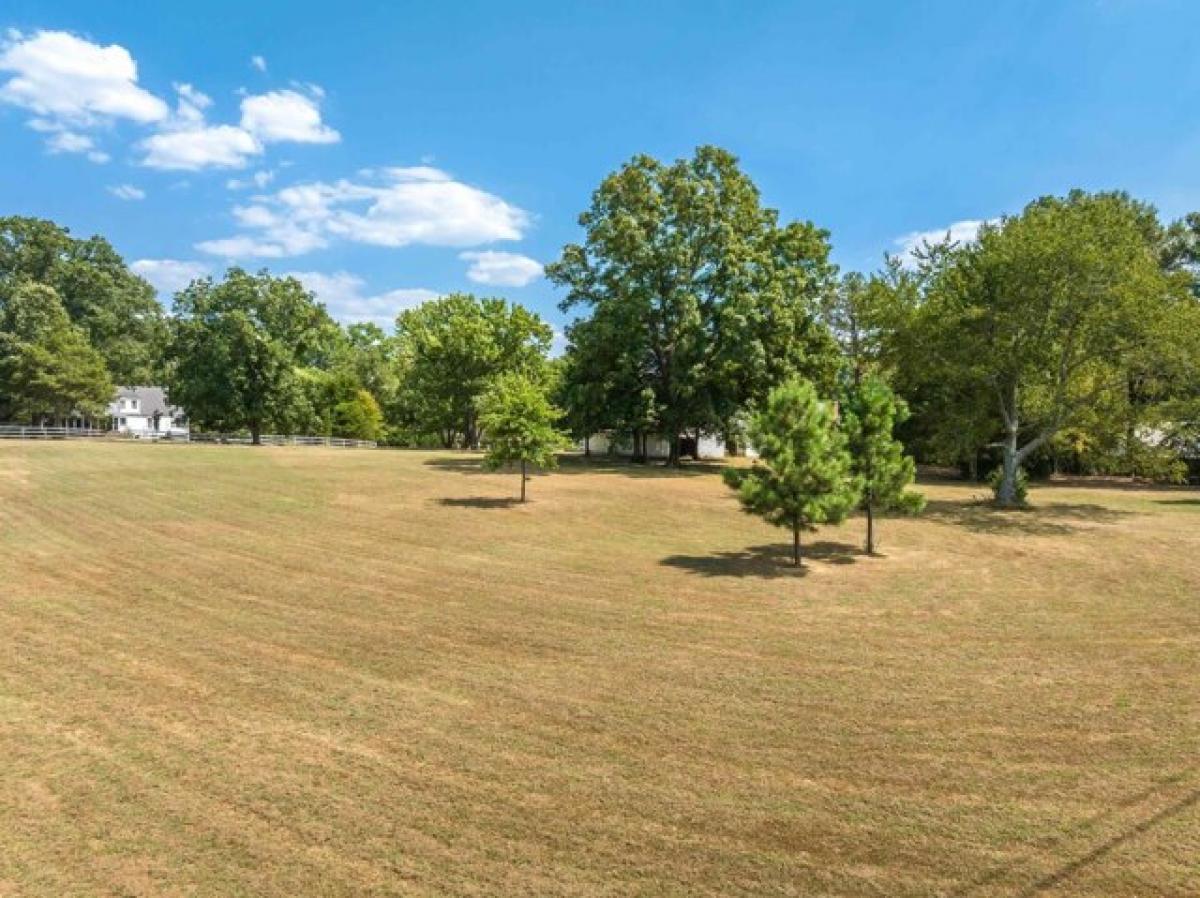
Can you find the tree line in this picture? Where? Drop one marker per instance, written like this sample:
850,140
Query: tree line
1065,337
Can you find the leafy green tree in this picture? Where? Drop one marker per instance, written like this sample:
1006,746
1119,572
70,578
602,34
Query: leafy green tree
369,354
451,348
1050,316
803,475
697,298
358,418
116,310
518,424
876,457
237,348
48,370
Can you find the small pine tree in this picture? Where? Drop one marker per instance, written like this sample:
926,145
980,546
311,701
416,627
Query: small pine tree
517,421
877,457
802,476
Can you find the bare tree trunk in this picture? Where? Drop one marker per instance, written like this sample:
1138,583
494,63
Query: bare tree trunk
870,528
1006,495
255,433
673,450
524,477
587,446
796,562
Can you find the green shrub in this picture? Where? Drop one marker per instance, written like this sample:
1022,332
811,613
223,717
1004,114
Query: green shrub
997,475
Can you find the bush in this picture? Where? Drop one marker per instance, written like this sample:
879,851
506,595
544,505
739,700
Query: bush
358,418
997,475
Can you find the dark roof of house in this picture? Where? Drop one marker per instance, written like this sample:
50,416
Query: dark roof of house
151,400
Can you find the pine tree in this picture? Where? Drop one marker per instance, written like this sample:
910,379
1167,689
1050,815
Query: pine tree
517,422
802,477
877,457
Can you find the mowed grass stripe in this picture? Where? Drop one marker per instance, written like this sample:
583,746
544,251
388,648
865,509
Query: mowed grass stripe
311,674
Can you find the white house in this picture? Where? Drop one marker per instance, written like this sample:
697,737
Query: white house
145,412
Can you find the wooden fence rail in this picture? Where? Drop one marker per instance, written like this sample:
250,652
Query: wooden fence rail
277,439
25,432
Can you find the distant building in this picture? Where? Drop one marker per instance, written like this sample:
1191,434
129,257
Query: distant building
708,447
145,412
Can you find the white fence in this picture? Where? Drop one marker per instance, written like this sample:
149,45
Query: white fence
24,432
275,439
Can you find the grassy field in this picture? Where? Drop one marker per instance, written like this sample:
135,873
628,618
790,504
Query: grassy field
227,671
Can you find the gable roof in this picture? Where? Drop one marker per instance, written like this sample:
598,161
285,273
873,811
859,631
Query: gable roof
151,400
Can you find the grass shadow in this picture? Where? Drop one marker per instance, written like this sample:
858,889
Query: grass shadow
1195,502
464,464
479,502
577,464
605,464
765,562
1049,519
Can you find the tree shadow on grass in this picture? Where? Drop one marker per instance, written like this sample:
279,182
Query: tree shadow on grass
1049,519
765,562
479,502
465,464
1195,502
576,464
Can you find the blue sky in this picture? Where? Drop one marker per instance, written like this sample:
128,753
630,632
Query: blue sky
393,151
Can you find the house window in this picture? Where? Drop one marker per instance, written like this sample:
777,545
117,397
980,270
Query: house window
121,422
133,405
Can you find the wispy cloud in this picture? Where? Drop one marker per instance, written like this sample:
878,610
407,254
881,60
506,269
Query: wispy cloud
127,192
344,296
168,276
394,207
957,232
501,269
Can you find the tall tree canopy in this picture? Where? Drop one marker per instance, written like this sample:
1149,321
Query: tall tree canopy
699,301
116,310
48,370
1061,316
238,346
451,348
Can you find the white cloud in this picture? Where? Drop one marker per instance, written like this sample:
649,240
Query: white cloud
169,275
501,269
72,85
259,179
186,142
958,232
127,192
342,294
395,207
285,115
69,142
194,148
191,104
242,248
71,81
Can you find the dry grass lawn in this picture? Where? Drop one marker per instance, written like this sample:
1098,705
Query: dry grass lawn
293,672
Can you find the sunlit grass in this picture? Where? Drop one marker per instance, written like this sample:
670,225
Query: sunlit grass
227,671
